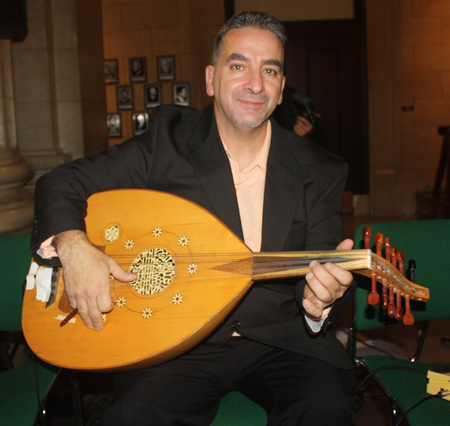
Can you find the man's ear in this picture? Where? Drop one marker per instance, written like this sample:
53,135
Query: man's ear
209,77
280,99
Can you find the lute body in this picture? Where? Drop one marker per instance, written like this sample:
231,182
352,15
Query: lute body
192,271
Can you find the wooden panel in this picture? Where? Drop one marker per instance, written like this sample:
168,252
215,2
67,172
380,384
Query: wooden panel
326,62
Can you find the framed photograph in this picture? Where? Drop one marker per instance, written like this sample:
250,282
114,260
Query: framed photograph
140,122
181,93
152,95
111,68
166,68
124,97
114,123
138,70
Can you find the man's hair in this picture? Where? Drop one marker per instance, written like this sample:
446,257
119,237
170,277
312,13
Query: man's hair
260,20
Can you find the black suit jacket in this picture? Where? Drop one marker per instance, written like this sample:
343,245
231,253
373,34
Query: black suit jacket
183,154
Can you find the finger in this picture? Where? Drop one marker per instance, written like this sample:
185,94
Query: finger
345,245
303,120
105,302
313,310
120,274
344,278
83,310
300,130
319,282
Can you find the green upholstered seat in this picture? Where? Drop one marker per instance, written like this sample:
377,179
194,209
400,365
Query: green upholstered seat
426,242
18,395
237,410
408,388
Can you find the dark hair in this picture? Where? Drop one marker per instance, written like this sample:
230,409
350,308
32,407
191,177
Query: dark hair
260,20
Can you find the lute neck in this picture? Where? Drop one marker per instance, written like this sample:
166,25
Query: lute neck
268,265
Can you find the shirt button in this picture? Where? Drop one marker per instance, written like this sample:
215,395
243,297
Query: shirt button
236,325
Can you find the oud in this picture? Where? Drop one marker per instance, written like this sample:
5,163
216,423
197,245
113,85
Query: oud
190,274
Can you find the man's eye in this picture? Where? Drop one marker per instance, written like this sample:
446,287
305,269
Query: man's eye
271,71
237,67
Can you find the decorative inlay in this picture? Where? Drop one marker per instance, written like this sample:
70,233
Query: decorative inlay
177,299
121,302
183,241
129,244
157,232
155,269
112,233
192,268
147,313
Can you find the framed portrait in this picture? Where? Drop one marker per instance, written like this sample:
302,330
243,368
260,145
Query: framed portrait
114,123
124,97
152,95
181,93
166,68
140,122
111,68
138,70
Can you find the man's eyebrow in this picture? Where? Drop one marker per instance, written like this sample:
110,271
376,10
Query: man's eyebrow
241,57
275,62
237,57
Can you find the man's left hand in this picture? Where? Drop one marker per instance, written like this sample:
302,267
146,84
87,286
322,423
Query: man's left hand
325,284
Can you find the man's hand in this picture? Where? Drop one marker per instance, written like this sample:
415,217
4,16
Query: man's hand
325,284
303,127
86,276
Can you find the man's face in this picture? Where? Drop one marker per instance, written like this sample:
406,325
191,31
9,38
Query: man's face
247,82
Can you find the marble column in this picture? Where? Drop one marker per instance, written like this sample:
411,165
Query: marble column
52,100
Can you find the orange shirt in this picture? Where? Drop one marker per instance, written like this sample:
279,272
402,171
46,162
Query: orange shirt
250,184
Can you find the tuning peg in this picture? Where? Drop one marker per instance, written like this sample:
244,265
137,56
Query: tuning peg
408,318
398,307
384,294
387,249
412,270
378,238
367,232
391,301
401,262
374,297
393,257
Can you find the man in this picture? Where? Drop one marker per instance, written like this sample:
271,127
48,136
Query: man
296,113
273,189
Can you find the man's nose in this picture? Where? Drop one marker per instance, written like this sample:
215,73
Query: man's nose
255,82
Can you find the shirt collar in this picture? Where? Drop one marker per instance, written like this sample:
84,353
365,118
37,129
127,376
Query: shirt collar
261,159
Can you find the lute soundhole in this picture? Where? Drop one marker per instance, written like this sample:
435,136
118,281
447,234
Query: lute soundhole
155,269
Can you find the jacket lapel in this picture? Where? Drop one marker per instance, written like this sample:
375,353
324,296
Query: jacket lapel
282,192
213,170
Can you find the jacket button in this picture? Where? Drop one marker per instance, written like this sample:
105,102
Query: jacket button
236,325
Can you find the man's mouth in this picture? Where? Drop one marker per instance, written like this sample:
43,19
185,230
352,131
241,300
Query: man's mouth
251,102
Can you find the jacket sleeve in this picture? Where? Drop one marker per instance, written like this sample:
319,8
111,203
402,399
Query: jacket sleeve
61,195
323,201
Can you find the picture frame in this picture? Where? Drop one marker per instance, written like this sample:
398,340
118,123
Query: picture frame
140,122
111,69
152,95
125,97
181,94
114,124
166,68
138,70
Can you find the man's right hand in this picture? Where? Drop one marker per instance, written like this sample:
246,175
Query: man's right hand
86,276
